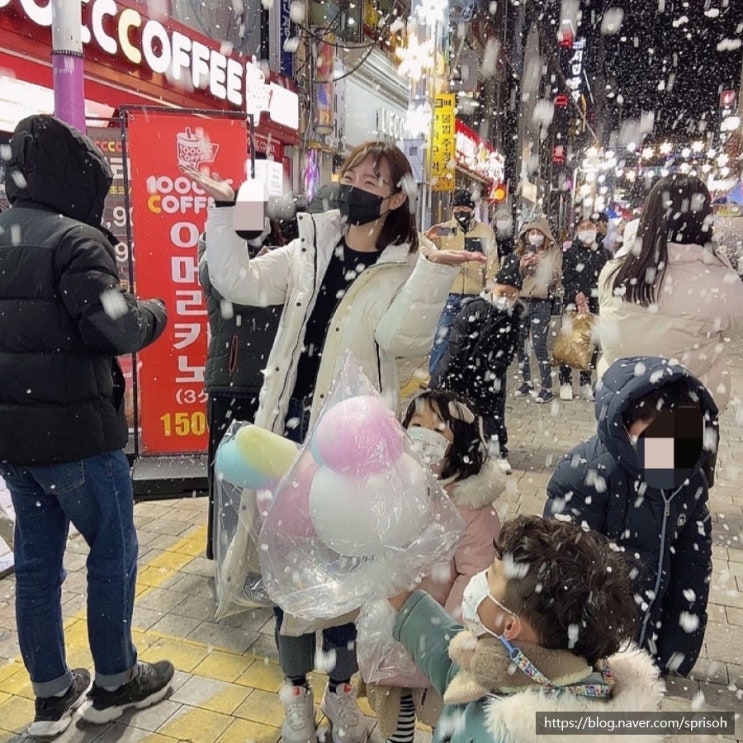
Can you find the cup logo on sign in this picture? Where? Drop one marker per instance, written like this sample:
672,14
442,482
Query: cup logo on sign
195,149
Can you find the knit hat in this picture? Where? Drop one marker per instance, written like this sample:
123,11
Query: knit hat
509,273
463,198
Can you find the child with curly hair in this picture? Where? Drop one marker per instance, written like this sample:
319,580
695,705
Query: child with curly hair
549,625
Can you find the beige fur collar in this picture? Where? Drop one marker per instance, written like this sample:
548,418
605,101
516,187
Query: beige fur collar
481,489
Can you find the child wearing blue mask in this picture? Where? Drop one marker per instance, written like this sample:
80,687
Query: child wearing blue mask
643,481
548,626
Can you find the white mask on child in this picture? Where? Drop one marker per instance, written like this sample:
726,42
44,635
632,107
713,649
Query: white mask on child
477,591
504,304
429,445
587,237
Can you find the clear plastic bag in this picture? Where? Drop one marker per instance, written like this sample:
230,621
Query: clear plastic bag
381,658
249,462
359,516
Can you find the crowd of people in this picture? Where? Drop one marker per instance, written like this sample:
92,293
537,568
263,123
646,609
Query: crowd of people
584,607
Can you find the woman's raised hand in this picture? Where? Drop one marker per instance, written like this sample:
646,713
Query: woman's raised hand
455,257
213,185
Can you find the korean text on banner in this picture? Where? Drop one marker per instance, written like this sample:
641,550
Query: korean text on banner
169,215
443,148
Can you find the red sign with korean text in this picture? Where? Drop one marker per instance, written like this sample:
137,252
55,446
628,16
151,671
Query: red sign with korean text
169,215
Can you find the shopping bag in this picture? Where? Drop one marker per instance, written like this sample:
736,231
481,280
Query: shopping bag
575,342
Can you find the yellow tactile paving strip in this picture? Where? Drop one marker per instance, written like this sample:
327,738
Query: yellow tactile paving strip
229,697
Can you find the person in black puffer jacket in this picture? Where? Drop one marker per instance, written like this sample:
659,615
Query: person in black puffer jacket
483,342
582,263
63,320
241,339
660,516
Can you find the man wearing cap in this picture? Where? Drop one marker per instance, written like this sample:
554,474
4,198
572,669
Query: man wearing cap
462,232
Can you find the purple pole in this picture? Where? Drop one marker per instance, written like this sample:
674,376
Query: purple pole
67,63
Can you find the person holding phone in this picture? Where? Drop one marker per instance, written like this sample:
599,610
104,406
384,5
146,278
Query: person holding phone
540,262
356,279
462,232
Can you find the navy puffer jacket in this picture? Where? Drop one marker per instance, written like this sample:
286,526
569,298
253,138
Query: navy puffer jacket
599,483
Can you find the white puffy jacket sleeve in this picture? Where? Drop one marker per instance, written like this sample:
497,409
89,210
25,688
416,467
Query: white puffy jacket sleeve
409,325
259,282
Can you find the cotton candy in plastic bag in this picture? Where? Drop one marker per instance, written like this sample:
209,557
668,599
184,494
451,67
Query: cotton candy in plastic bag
249,461
359,516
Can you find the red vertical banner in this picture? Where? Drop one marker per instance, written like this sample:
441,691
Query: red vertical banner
169,215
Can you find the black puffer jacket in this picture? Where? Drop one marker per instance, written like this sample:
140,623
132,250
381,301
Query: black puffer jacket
481,347
599,483
581,267
241,339
61,388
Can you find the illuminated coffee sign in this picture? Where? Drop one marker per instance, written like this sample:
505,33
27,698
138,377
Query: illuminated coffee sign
125,33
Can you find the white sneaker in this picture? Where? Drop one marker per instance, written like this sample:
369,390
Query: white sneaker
566,391
342,709
586,392
299,714
505,466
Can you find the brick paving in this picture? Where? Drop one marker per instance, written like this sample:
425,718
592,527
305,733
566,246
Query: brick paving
227,678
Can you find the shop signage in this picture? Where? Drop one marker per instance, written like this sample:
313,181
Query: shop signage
478,156
170,213
390,124
574,71
125,33
443,147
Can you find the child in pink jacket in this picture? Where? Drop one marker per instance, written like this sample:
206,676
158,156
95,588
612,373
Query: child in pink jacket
449,437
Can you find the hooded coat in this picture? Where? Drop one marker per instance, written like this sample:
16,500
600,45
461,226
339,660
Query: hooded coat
544,280
599,483
61,387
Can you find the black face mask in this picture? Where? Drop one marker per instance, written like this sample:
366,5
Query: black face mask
358,206
465,220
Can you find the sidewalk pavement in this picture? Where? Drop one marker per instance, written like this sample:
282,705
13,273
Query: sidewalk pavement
227,676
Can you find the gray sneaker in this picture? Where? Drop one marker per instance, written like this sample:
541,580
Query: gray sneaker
342,709
299,714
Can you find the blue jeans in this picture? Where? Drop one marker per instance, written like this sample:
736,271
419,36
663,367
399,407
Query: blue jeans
94,494
297,421
451,309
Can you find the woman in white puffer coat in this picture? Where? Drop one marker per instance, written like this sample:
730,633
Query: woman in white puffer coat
353,281
668,293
